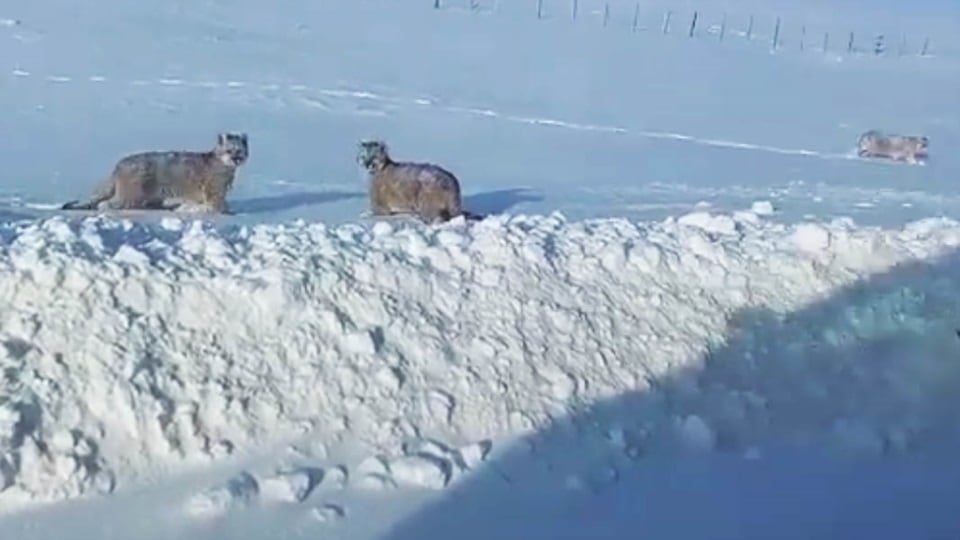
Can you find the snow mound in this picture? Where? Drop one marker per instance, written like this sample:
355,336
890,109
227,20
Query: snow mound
129,348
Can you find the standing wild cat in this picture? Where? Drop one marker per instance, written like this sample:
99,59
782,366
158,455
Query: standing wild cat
424,189
168,180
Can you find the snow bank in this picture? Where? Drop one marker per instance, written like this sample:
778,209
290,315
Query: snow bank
127,349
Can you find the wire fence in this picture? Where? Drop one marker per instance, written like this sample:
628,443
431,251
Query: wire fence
777,33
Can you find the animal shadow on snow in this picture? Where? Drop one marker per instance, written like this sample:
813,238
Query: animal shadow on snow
9,215
289,201
811,417
497,202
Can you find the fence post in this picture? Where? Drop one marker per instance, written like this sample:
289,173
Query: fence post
850,43
750,29
693,24
576,8
539,9
436,4
878,46
606,13
776,35
926,47
903,45
636,16
826,41
723,27
803,36
666,22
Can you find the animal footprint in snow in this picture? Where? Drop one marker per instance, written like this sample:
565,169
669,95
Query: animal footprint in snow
334,479
373,474
472,455
425,471
239,491
291,486
328,512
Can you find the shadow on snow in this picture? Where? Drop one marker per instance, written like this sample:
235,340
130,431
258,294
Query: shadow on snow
839,420
288,201
498,202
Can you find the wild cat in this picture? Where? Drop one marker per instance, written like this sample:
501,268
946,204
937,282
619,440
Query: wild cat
427,190
909,148
169,180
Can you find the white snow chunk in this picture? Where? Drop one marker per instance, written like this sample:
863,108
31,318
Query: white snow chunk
381,228
373,474
720,224
424,471
359,343
811,237
172,223
625,441
746,217
440,404
376,482
334,478
290,486
695,433
372,465
474,454
428,447
762,208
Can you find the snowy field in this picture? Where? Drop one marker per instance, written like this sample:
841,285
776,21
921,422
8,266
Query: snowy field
692,312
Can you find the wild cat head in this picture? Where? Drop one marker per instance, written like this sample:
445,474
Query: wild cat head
373,155
232,149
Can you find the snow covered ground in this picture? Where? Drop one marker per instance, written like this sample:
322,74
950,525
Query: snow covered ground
534,116
691,313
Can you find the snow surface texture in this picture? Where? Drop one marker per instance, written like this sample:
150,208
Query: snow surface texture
533,116
694,375
129,349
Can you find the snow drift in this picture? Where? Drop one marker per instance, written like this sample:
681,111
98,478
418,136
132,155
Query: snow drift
132,348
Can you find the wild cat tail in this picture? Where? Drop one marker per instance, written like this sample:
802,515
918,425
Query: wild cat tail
76,205
470,216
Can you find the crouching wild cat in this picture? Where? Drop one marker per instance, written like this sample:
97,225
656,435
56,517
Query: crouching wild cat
909,148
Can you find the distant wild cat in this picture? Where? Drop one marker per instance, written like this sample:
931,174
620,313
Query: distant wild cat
909,148
169,180
424,189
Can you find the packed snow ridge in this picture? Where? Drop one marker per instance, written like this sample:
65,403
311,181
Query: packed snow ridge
132,348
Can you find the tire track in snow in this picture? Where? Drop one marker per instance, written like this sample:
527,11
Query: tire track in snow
318,99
